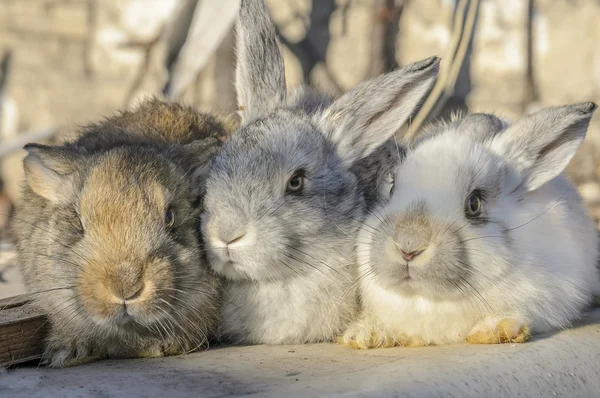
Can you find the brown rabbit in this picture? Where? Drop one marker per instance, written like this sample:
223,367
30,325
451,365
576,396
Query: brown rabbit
108,235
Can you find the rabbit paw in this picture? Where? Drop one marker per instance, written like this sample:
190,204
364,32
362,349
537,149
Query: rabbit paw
364,335
150,352
66,356
159,351
165,350
505,330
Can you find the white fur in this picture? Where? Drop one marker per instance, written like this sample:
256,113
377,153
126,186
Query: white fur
298,310
543,278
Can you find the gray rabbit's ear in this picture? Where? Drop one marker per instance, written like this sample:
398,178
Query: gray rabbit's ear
49,172
372,112
260,77
541,145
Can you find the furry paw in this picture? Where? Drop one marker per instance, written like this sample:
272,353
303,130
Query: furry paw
164,350
57,356
150,352
363,335
505,330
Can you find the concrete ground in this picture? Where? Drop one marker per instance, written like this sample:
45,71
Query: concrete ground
562,364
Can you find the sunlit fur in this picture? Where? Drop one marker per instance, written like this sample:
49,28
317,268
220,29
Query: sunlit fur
290,272
96,250
529,258
290,266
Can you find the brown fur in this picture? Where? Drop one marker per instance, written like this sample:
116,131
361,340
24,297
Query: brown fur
173,122
95,244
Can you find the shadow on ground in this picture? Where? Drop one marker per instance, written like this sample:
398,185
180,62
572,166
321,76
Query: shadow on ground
565,364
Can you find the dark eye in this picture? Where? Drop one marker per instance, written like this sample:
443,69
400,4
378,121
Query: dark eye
393,187
474,204
170,218
296,182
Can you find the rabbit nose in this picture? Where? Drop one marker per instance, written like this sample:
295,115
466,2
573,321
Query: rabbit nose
233,237
130,295
135,295
410,255
236,239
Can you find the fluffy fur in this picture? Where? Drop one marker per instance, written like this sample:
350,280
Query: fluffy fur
526,263
288,257
99,253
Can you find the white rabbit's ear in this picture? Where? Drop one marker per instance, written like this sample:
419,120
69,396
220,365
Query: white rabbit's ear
372,112
49,172
260,77
541,145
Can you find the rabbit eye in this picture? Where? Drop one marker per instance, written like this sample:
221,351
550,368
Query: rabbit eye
170,218
296,183
474,204
392,187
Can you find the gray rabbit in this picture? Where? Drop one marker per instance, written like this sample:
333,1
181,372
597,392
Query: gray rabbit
287,193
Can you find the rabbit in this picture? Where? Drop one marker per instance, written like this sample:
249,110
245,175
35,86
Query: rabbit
283,202
480,237
107,235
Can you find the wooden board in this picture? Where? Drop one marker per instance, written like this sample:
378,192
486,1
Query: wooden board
22,331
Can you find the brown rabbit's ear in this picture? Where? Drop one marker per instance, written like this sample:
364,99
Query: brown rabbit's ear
201,152
50,171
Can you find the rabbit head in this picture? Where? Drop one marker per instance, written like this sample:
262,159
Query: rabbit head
122,229
282,185
462,193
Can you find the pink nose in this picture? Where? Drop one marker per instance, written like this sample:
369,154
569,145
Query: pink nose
410,255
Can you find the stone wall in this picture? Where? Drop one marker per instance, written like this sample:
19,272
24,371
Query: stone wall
75,60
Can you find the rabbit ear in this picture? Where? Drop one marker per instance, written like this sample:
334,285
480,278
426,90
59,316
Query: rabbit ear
201,152
372,112
49,172
260,77
541,145
480,127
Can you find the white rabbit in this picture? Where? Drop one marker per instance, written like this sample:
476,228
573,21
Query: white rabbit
284,201
483,238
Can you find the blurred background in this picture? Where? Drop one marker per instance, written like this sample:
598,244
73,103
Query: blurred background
65,63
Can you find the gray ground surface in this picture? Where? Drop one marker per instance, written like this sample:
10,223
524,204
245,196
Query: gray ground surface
562,364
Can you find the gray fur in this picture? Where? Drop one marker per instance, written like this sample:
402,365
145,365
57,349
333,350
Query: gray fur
289,257
481,126
369,114
260,77
542,144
